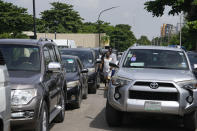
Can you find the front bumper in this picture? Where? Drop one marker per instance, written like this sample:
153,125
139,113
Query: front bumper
72,94
25,117
127,104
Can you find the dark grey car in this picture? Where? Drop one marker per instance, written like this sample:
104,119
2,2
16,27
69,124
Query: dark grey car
37,83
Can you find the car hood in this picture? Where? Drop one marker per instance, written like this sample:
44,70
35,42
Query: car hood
24,78
156,74
71,77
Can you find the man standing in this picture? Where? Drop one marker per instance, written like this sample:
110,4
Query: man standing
114,59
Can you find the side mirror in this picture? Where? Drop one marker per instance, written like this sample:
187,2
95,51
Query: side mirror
98,61
54,67
195,66
113,65
84,71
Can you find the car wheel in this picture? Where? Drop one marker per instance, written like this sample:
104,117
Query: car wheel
93,89
43,122
190,121
113,116
98,81
78,102
85,96
60,117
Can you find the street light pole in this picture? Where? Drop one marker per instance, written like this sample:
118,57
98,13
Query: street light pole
180,30
99,24
34,19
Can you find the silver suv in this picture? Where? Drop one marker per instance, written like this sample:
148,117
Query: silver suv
153,80
4,97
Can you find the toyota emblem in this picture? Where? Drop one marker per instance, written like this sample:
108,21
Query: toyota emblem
154,85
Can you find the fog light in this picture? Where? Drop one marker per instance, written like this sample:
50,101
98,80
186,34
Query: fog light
117,96
73,97
190,99
18,115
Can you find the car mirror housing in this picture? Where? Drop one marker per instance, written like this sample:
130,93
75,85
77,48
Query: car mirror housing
98,60
84,71
54,67
113,65
195,66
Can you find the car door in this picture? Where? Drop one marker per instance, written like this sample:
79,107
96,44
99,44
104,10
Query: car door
48,78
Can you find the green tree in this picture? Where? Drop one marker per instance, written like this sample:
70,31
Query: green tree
14,19
62,18
143,40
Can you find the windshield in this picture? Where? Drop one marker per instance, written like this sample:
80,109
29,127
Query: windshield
21,57
158,59
69,65
85,56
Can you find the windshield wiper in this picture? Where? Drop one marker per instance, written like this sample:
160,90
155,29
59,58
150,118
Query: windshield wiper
136,66
159,67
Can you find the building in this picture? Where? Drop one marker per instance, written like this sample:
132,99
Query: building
167,30
81,39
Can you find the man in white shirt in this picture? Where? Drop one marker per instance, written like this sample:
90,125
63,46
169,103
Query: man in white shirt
114,60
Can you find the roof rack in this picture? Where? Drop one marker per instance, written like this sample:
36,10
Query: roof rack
45,39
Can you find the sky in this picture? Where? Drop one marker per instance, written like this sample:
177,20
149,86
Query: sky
130,12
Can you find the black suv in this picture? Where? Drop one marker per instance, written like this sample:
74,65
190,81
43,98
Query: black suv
37,83
87,57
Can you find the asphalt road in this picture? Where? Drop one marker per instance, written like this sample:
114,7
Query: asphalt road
91,117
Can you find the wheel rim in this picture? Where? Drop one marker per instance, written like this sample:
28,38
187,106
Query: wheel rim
44,121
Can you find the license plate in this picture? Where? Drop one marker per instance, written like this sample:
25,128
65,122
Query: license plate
152,106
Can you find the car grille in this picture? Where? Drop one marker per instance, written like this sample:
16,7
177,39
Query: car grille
139,83
161,96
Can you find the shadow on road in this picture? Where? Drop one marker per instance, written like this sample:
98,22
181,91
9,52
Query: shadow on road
136,124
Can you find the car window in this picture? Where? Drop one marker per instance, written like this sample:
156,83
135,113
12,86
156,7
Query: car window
162,59
70,65
57,53
47,57
2,62
21,57
52,54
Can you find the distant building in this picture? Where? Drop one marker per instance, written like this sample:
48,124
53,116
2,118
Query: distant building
167,30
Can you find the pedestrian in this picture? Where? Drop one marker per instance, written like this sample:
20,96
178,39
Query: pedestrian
114,60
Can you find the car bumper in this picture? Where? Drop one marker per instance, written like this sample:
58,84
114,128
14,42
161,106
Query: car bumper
72,94
26,117
126,104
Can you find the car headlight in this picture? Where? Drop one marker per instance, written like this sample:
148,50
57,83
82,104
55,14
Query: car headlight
22,97
118,81
72,84
91,70
191,84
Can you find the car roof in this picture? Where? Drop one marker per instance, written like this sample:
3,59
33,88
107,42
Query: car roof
70,56
77,49
156,48
40,42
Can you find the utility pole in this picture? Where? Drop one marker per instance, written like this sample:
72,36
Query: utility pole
99,23
180,30
34,19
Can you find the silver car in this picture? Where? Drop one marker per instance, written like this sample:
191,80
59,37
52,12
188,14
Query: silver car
153,80
4,97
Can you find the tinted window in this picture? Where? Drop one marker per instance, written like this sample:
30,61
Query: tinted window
47,57
193,58
70,65
21,57
161,59
86,57
2,62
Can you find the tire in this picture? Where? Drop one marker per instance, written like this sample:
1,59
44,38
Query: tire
93,89
77,104
85,96
43,122
113,116
60,117
98,81
190,121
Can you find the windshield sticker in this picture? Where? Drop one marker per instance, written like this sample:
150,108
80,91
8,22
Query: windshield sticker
90,61
70,61
183,64
137,64
180,53
155,53
130,55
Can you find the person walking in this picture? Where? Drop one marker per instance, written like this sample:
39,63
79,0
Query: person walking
114,60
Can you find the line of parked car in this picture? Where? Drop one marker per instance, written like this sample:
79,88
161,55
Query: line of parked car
43,81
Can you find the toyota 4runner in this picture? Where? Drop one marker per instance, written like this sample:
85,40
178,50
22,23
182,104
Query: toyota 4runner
153,80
